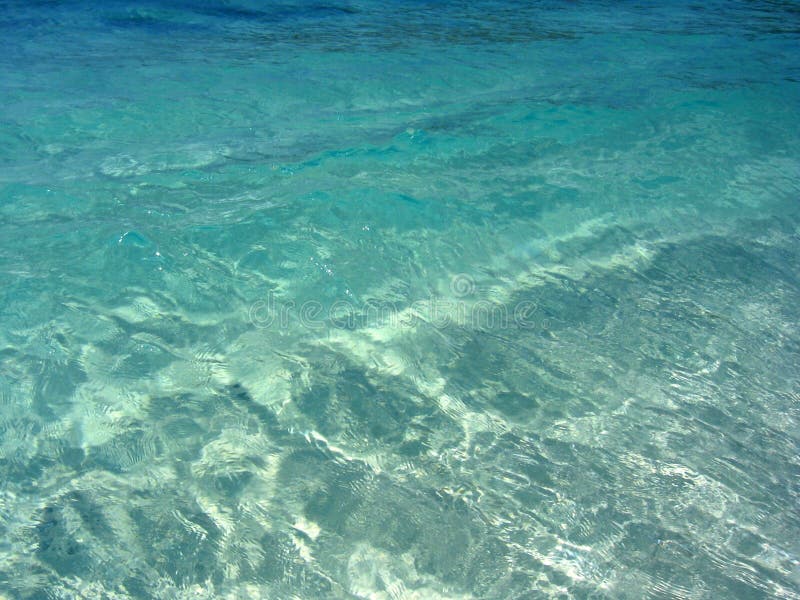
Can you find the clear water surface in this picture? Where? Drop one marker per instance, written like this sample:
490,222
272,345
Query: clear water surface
399,300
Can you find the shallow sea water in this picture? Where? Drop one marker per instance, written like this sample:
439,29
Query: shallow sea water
399,300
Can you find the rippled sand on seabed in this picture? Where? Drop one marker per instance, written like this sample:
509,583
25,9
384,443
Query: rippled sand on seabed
410,300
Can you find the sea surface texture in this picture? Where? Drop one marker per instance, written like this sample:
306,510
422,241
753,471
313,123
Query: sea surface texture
399,300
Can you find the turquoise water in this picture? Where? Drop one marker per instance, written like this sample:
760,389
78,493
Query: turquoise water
399,301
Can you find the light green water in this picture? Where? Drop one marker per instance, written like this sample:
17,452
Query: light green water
404,301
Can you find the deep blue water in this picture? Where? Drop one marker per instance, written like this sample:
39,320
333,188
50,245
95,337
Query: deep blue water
403,300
